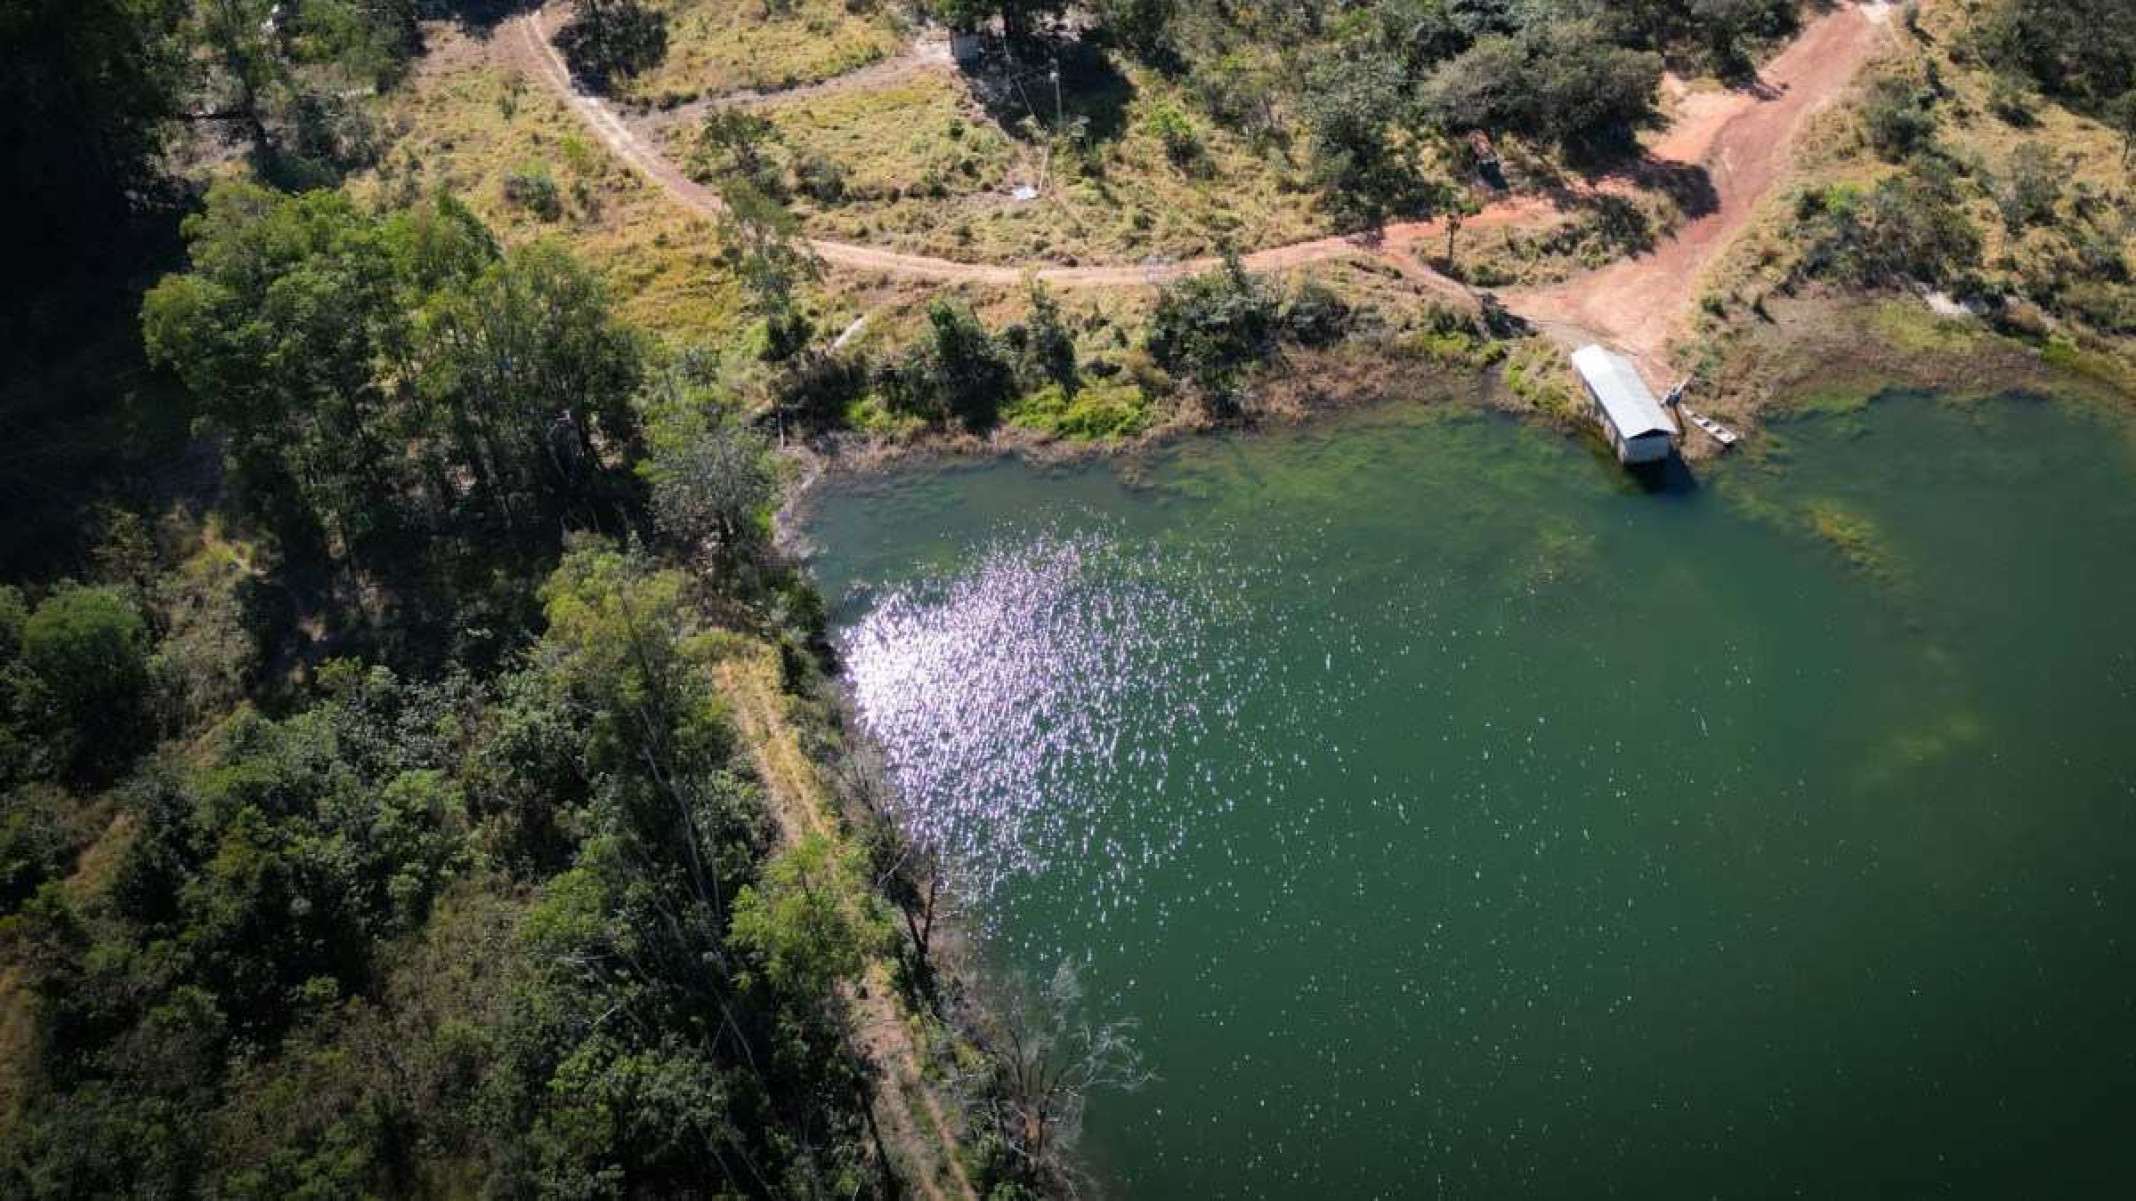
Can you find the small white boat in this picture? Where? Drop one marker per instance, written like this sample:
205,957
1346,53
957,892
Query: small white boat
1714,429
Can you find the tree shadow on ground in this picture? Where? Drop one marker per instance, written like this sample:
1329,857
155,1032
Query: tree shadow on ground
1018,92
89,420
479,18
1689,185
1617,222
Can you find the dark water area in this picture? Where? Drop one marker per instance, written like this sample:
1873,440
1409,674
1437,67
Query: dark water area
1458,819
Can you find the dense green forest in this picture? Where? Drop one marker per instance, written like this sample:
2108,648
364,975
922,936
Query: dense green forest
373,822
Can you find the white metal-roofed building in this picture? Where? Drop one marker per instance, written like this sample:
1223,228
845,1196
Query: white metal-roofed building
1638,427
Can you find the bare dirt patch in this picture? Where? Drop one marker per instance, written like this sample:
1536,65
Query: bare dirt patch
1743,141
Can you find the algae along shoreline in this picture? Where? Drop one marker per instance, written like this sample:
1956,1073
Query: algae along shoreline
1452,817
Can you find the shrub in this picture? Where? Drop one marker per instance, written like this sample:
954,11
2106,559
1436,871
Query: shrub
2104,307
818,389
1182,144
1316,316
534,189
1094,413
959,371
1143,26
1897,119
1048,349
1910,226
1213,327
1451,338
2009,100
1236,91
33,847
820,178
2082,50
2033,189
2103,257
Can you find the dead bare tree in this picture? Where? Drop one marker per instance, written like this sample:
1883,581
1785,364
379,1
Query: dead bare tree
1043,1059
911,868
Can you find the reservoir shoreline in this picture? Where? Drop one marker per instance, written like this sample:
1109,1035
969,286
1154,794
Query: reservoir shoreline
1811,354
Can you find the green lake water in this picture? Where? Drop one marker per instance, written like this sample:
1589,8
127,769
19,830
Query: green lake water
1457,819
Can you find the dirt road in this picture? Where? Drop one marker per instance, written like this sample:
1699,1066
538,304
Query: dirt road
1741,139
1744,142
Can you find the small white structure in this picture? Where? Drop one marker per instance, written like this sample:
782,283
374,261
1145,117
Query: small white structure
1638,427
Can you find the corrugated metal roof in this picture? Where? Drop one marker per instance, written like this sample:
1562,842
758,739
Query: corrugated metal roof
1624,395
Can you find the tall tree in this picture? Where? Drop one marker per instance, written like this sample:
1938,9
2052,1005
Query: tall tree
240,38
761,242
537,376
1367,172
607,40
1044,1060
1564,81
2081,50
714,487
2123,115
356,363
277,332
88,90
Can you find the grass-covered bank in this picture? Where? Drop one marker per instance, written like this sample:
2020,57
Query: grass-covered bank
1966,221
1821,352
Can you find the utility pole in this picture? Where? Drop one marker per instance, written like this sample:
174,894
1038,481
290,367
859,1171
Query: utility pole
1059,119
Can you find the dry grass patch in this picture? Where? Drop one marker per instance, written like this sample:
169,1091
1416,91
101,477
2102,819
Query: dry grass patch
499,142
929,169
716,47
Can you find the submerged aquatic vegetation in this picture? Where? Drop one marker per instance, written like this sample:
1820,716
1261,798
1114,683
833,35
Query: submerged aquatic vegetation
1853,536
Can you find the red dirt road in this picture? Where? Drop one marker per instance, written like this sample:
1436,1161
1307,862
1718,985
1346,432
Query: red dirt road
1745,144
1742,139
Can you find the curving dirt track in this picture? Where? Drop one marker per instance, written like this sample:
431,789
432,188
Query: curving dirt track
1741,139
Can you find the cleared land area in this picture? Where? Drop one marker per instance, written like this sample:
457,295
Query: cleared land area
1738,140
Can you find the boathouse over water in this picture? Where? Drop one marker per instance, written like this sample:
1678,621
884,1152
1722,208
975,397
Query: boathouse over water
1639,428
